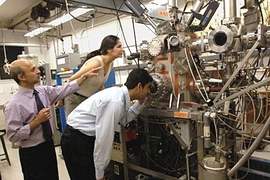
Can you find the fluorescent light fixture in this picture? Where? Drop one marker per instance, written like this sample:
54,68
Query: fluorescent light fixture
67,17
160,2
37,31
2,2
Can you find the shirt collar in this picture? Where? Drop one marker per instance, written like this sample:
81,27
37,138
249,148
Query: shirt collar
25,91
126,97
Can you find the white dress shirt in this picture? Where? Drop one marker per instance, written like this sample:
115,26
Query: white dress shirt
99,115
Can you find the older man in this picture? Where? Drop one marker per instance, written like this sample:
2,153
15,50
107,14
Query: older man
29,122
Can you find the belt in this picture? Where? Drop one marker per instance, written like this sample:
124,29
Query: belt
77,94
79,132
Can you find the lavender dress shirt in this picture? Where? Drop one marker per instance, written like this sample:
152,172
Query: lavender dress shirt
21,109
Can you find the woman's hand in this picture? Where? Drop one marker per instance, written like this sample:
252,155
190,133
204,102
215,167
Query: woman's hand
59,103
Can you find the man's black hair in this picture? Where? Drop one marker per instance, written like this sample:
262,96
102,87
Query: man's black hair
138,76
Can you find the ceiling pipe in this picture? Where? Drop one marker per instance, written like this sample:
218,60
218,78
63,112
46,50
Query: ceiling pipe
22,45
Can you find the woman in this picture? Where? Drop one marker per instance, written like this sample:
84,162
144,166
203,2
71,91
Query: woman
110,49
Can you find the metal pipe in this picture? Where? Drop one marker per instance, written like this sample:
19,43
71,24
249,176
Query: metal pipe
246,58
197,7
229,7
178,137
123,142
206,130
178,101
259,84
172,3
171,101
187,165
151,21
22,44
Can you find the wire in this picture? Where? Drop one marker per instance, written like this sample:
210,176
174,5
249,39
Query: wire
253,106
199,74
183,12
191,72
260,8
85,20
216,130
226,124
54,48
71,24
4,47
135,41
172,80
266,70
120,24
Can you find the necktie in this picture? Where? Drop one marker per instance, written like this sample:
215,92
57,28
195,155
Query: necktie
46,127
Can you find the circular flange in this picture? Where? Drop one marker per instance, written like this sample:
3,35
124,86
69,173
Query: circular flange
221,39
155,47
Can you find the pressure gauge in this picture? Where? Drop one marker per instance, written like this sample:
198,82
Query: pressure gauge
174,41
155,47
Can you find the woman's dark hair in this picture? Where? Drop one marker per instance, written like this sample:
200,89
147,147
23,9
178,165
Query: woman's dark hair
138,76
107,43
89,56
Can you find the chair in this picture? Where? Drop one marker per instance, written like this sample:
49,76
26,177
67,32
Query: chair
5,154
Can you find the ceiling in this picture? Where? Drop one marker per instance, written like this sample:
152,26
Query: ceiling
17,16
13,11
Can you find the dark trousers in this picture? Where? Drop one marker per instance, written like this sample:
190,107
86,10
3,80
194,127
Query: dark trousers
39,162
77,150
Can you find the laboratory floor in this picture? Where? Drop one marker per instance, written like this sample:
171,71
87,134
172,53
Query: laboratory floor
14,172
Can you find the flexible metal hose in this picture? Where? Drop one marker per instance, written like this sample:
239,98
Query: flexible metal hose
252,148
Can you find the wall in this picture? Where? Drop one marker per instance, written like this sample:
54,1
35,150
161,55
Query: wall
89,38
7,88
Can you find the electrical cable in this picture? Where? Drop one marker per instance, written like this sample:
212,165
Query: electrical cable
236,120
183,12
67,8
253,106
4,47
135,41
220,119
120,24
257,63
6,66
71,24
85,20
265,71
260,8
216,130
199,74
193,76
